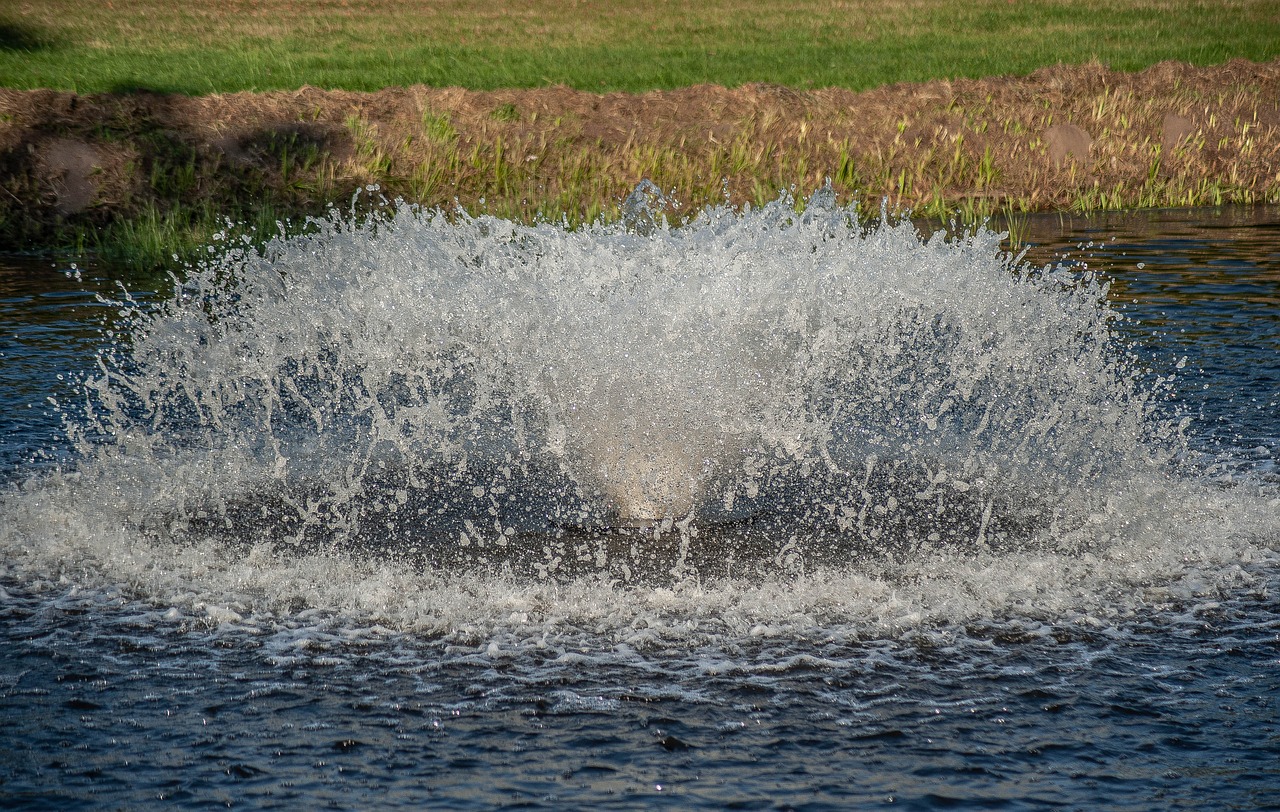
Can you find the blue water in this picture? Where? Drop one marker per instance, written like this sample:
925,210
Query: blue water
1120,649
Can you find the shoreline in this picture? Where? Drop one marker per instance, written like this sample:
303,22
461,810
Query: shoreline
148,175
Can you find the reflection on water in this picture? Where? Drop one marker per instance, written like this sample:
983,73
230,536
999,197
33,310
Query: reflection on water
50,325
1199,284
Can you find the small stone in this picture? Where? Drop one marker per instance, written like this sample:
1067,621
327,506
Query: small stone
70,164
1175,130
1067,141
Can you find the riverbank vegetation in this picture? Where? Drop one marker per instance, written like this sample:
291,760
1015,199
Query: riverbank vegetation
158,163
143,176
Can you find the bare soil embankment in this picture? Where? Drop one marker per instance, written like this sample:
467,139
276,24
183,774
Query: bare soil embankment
1082,137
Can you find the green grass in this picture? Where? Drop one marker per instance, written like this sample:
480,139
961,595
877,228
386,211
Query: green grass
203,47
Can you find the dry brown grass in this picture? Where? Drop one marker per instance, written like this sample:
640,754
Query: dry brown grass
1173,135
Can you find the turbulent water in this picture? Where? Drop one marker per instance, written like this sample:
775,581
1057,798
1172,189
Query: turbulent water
784,467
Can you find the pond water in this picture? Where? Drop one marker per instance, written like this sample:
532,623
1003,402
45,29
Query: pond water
767,511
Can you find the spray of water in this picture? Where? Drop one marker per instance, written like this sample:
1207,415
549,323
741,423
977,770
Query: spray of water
749,396
458,385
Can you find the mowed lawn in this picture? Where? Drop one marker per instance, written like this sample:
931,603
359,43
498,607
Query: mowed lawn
202,46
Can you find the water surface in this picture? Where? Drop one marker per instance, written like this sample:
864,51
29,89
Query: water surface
1057,588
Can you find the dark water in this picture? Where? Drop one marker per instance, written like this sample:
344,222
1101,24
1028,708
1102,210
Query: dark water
1136,669
126,707
50,332
1204,285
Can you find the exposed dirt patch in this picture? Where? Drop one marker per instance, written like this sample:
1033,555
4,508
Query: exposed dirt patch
1069,136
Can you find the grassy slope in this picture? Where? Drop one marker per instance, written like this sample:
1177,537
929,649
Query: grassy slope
202,47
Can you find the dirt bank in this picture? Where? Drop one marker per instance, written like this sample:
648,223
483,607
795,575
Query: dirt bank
1065,137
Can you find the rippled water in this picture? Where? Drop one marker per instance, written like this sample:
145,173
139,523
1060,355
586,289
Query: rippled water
1097,629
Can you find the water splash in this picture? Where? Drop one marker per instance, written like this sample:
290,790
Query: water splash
758,424
754,422
472,390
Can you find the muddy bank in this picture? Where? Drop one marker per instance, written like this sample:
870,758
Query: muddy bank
1084,137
